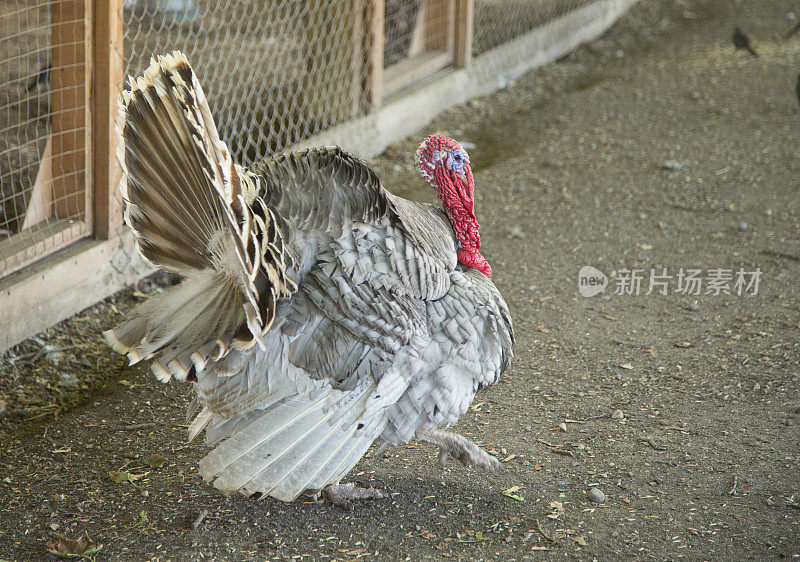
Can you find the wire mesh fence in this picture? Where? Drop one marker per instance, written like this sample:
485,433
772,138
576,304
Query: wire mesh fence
275,74
499,21
43,129
418,40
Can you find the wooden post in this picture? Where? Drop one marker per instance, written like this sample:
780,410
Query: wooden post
465,11
107,80
69,106
376,20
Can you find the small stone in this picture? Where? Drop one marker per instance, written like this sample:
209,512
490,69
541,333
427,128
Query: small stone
617,415
756,387
693,306
7,480
742,226
53,354
67,380
54,526
663,423
673,165
562,426
597,496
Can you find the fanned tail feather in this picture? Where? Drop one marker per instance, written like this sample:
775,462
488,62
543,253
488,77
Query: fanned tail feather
185,206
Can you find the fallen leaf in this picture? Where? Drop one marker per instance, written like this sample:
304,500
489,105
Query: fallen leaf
122,476
71,548
477,537
142,520
512,493
155,460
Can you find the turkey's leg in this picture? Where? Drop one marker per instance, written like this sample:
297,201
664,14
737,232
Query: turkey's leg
458,447
342,494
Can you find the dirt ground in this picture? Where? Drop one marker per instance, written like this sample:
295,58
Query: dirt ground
657,146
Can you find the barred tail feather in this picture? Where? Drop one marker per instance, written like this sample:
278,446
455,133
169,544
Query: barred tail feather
185,207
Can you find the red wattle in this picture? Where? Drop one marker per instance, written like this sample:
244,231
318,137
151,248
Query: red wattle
456,190
474,260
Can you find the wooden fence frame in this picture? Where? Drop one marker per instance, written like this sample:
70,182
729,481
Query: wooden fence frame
74,262
91,268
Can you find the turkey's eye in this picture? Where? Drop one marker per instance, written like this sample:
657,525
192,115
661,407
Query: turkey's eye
455,161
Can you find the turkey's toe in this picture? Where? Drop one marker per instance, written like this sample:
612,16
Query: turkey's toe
478,457
342,494
459,447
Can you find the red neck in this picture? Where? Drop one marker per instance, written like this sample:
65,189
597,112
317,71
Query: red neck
457,196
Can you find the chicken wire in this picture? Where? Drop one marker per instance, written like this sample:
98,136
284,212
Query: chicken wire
34,222
414,27
499,21
274,72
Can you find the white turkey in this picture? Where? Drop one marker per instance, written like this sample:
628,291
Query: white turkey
318,312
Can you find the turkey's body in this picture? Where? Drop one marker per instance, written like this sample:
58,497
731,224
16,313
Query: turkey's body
319,312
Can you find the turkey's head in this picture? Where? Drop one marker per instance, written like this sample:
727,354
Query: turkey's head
444,164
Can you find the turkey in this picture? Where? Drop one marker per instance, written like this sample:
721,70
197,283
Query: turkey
317,312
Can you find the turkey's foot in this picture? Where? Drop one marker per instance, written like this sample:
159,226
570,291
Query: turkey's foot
458,447
341,495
